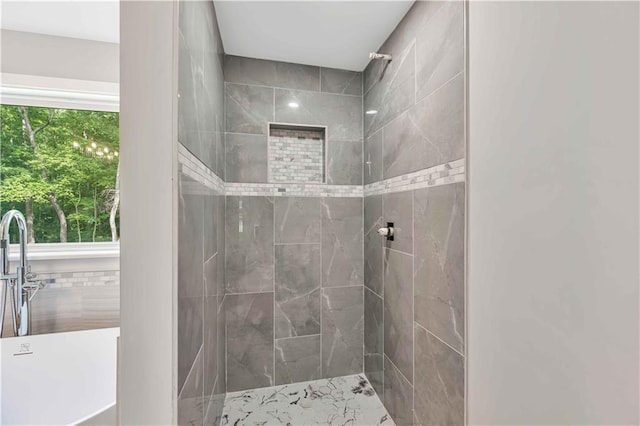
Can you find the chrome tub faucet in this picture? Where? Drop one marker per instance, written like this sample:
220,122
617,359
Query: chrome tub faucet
20,283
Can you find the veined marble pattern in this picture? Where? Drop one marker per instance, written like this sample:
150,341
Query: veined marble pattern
347,400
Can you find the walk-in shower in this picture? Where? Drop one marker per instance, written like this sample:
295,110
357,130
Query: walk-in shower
271,296
321,251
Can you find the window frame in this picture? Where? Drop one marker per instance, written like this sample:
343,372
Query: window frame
53,92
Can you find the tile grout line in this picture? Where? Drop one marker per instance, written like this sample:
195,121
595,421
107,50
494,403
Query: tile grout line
398,251
399,372
226,342
224,296
298,337
224,135
364,323
269,291
413,301
273,245
190,370
465,266
442,341
212,397
321,285
297,244
415,72
384,270
204,298
373,291
291,89
437,89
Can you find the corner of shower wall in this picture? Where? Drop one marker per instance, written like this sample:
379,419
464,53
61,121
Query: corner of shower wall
414,152
201,206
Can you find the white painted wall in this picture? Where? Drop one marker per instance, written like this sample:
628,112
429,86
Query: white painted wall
148,216
60,57
553,213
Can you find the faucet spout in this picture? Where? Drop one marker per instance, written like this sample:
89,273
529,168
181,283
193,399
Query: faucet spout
15,283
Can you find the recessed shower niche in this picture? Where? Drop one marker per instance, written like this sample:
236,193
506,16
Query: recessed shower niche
296,153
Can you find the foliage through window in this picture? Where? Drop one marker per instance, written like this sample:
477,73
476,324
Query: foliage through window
60,168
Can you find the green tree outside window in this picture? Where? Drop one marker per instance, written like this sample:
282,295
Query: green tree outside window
61,169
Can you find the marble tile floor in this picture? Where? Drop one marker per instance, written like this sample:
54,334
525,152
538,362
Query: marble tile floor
345,401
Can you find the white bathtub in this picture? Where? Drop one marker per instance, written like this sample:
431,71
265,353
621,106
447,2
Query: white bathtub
58,379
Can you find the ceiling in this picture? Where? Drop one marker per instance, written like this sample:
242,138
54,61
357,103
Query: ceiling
335,34
84,19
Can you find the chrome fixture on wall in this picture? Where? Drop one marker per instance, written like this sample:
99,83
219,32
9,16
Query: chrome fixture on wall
20,284
385,57
387,232
376,55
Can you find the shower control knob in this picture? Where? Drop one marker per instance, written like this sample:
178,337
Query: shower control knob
387,231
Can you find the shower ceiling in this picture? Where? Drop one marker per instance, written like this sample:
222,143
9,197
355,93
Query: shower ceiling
332,34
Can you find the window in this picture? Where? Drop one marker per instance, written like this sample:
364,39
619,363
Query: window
59,167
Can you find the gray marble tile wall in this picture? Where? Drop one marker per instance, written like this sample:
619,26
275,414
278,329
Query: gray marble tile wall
414,286
301,288
294,287
258,92
294,264
201,84
201,317
414,304
419,100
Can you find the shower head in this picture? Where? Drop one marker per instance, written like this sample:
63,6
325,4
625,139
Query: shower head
376,55
385,57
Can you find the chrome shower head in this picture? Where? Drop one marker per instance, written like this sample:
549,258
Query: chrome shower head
376,55
385,57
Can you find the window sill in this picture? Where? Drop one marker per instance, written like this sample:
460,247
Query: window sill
70,257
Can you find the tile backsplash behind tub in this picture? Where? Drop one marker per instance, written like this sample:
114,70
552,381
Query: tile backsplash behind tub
73,301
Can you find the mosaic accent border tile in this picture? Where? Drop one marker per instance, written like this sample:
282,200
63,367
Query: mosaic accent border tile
198,171
451,172
293,189
73,301
443,174
79,279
